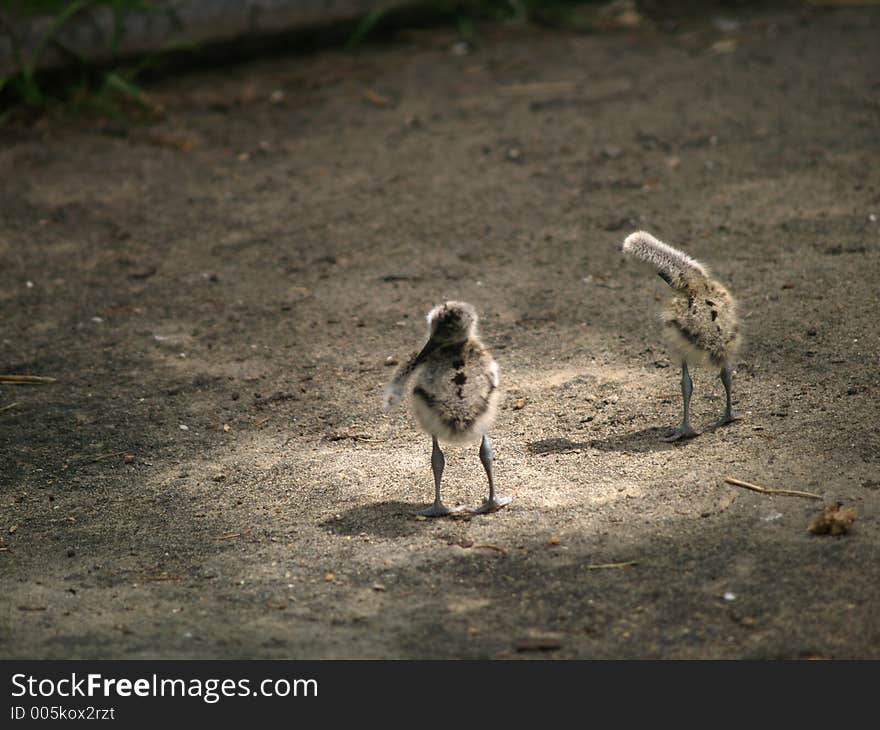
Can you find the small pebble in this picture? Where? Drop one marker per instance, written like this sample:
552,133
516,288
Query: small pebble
611,151
726,25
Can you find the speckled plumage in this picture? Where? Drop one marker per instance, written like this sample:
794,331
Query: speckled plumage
454,391
700,320
454,377
701,323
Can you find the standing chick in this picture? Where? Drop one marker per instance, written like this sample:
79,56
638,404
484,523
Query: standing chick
700,320
455,392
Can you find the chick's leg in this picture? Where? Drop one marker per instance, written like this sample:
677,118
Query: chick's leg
438,462
687,387
729,415
493,503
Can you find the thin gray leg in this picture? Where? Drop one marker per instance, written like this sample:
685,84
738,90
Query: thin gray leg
729,416
493,503
438,463
687,387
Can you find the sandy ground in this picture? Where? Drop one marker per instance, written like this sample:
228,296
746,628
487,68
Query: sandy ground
217,293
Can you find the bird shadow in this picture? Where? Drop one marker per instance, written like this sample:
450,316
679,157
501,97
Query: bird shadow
556,446
381,519
644,440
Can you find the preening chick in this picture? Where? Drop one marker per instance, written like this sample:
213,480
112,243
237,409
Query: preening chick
454,393
699,320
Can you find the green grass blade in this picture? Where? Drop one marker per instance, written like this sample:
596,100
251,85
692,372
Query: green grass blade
369,21
58,23
115,82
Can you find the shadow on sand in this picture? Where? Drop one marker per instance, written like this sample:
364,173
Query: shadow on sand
383,519
556,446
644,440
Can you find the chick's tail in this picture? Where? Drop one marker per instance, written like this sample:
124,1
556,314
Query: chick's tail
675,267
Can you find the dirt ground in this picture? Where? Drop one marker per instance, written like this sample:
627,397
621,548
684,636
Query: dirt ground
212,475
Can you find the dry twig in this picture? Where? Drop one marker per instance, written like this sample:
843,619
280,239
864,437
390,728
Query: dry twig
491,547
610,566
770,490
377,99
26,379
362,437
102,457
